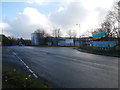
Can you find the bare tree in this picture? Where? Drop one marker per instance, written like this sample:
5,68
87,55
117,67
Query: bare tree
72,33
56,34
69,33
109,25
42,35
88,32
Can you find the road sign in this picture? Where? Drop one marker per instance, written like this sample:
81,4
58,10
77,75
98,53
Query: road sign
98,35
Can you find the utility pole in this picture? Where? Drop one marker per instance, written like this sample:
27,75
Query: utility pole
79,33
118,18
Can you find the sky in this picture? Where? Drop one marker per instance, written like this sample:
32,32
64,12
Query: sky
20,18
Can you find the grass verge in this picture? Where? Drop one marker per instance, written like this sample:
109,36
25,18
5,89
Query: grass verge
114,51
22,80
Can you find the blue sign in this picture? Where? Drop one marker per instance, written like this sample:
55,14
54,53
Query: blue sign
98,35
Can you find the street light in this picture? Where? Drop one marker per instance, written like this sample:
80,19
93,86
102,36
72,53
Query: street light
79,29
79,33
118,18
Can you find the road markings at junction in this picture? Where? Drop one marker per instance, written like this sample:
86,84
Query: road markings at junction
26,65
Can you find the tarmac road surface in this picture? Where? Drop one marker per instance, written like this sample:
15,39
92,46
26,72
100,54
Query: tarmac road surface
68,68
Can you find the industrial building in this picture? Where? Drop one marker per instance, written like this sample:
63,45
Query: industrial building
97,40
36,39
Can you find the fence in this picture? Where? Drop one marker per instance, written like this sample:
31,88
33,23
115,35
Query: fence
103,43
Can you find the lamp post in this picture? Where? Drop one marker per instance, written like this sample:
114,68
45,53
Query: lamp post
118,18
79,33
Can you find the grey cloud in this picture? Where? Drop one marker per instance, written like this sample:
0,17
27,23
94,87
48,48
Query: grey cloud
73,13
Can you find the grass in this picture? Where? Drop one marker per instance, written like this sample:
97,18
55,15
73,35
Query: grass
22,80
1,47
106,51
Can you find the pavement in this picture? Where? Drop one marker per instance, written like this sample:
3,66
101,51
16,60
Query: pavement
65,67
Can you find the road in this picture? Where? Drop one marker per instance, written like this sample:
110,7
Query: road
68,68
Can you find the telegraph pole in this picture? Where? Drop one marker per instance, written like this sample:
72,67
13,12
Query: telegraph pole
118,18
79,33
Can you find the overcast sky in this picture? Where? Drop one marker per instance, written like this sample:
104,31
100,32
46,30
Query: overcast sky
20,19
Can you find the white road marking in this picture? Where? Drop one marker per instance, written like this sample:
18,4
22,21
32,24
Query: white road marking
35,75
14,53
30,70
26,65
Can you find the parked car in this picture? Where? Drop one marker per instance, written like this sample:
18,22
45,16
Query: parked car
20,44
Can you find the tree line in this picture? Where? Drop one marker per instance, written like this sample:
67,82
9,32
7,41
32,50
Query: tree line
11,41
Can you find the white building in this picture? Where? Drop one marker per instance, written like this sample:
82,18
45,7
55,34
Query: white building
35,39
